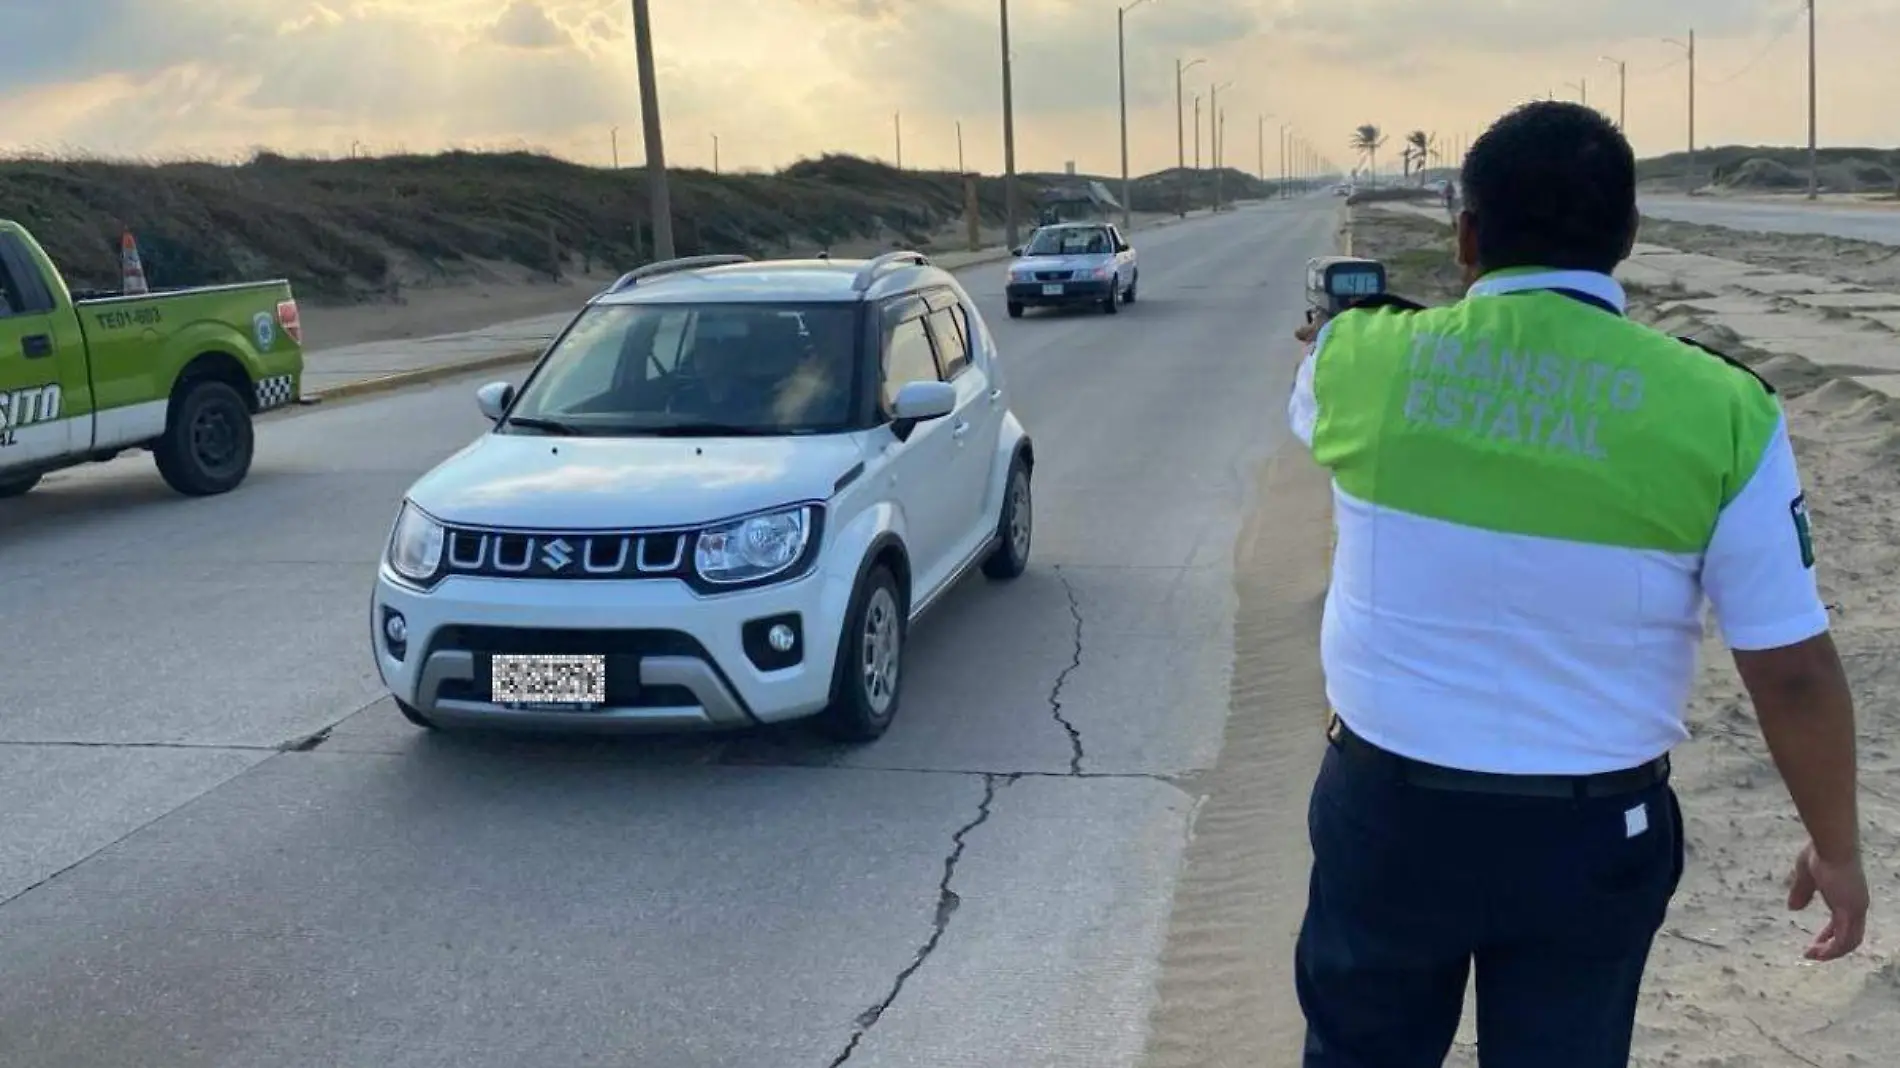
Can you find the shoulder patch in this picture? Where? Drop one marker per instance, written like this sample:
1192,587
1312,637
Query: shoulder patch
1730,360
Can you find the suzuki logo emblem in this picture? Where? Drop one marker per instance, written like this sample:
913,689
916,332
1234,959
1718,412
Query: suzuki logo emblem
557,554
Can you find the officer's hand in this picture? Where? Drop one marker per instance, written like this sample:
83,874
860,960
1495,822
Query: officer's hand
1843,888
1310,329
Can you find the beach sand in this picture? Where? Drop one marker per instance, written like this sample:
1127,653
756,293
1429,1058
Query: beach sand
1727,987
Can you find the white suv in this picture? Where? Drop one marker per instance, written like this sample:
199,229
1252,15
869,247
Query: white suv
719,499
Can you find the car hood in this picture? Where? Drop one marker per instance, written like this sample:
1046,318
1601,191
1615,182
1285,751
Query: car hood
511,480
1064,263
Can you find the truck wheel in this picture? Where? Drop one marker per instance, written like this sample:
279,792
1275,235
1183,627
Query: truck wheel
1015,311
208,441
17,487
868,679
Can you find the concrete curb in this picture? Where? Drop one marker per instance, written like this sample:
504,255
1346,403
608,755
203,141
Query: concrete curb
436,372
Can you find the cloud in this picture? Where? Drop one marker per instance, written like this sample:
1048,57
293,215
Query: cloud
525,25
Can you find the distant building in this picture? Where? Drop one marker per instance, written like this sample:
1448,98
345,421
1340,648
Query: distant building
1069,168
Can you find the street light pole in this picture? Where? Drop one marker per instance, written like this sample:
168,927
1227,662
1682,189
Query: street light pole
1690,48
1180,135
715,138
1213,136
1121,67
660,200
1009,138
897,130
1814,151
1286,168
1622,89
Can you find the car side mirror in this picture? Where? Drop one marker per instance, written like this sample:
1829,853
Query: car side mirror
1017,251
1121,246
920,402
493,399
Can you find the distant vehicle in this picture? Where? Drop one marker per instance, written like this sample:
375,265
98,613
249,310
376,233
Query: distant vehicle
1073,263
1342,190
719,499
180,373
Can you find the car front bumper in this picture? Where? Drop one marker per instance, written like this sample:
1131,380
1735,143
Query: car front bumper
1082,291
675,660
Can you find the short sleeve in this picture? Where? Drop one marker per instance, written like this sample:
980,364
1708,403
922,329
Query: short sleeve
1302,408
1759,567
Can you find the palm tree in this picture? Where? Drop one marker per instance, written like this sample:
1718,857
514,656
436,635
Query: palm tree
1418,151
1367,140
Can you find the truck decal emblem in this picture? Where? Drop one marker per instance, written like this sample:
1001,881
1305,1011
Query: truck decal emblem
119,320
25,407
264,329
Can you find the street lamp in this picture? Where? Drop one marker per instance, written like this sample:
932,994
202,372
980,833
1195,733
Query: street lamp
1814,151
661,201
1121,65
1180,132
1213,136
1689,47
1009,136
1622,88
1583,91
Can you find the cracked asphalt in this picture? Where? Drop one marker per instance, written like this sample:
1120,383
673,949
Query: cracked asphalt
221,846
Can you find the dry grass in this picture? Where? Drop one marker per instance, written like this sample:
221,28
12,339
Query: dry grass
355,229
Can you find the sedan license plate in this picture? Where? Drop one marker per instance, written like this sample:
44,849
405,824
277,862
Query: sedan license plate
574,683
1054,290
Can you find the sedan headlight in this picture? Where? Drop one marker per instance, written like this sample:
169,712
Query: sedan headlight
754,548
415,545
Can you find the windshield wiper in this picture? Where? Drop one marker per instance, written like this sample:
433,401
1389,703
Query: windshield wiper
546,426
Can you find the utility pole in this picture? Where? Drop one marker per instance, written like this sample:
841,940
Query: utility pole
1009,138
660,200
613,136
1121,67
715,138
1197,134
1814,150
1689,47
961,169
1622,89
1213,136
1260,165
897,127
1180,135
1286,166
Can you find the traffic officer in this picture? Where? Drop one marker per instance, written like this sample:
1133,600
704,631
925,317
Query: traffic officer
1533,496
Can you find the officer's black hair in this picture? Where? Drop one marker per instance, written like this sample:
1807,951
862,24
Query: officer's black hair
1551,184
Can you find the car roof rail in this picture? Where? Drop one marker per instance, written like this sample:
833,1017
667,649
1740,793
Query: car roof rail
890,260
673,266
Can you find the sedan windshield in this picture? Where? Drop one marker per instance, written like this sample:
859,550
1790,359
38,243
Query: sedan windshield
1070,241
699,369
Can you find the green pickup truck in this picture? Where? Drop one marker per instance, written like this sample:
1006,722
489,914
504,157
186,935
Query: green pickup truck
85,377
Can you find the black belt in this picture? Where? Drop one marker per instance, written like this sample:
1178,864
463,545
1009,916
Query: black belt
1437,777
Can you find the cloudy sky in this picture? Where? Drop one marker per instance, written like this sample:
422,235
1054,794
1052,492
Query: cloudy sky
775,80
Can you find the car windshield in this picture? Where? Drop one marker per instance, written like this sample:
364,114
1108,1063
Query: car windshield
714,369
1070,241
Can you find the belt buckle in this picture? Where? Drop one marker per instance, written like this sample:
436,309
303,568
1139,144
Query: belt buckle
1334,728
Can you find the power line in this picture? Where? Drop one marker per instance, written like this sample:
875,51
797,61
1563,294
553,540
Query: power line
1780,35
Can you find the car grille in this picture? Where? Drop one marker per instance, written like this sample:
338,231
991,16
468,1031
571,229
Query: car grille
624,649
1054,276
557,555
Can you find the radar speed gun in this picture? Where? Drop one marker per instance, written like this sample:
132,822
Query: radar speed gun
1335,283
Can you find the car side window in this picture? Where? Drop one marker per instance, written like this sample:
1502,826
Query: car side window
908,358
947,327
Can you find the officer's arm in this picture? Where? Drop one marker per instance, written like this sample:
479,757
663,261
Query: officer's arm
1302,408
1759,574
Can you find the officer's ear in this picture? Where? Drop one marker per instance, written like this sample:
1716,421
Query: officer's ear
1636,225
1467,241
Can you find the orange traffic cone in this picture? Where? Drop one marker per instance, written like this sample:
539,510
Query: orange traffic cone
131,271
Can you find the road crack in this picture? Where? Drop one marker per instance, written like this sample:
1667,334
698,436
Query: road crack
947,904
1062,679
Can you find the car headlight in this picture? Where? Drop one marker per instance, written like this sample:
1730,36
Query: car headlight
1104,271
753,548
415,545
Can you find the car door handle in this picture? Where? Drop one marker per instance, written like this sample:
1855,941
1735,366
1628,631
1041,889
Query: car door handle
36,346
996,395
961,429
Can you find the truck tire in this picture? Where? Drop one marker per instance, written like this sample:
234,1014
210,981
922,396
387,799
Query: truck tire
208,440
18,487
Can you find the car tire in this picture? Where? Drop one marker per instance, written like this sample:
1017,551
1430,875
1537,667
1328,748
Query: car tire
18,487
1015,311
1113,302
1015,526
410,713
875,629
209,440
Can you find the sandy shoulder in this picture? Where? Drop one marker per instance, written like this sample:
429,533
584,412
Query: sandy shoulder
1727,987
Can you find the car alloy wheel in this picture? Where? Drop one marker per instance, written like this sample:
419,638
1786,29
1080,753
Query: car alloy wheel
882,650
1020,516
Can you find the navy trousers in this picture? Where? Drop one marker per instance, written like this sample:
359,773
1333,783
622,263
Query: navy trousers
1554,901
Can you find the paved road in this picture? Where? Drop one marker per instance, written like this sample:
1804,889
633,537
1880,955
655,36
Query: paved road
222,847
1861,224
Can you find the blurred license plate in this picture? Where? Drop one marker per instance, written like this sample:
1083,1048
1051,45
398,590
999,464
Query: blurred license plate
1052,290
577,682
